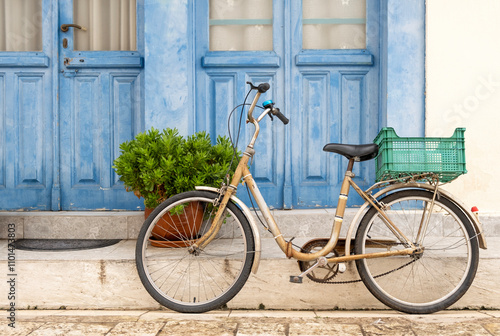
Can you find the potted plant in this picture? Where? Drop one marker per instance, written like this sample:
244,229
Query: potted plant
156,165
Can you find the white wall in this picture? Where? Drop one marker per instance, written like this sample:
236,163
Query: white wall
463,90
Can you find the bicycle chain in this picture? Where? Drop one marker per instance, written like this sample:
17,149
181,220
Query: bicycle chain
360,280
330,282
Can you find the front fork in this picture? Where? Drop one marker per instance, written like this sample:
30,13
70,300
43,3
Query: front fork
226,193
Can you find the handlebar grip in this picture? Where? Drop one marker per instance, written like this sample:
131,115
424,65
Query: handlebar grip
281,116
263,87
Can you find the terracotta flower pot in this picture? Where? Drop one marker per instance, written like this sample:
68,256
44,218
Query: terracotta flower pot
178,227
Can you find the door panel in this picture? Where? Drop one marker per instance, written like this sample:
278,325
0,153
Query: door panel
126,114
26,139
315,88
84,131
30,168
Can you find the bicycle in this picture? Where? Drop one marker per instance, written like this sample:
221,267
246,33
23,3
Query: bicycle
416,247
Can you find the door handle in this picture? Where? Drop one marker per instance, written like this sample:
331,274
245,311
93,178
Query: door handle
65,27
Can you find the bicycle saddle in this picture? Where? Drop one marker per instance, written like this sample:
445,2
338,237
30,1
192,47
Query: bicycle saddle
359,152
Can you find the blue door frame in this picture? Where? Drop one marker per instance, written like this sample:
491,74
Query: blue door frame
63,115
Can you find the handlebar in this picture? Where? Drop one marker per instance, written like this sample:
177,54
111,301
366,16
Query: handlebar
263,87
269,110
276,111
268,105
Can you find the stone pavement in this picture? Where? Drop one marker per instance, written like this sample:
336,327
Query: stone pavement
256,322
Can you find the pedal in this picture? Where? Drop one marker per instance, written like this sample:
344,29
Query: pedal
322,261
342,267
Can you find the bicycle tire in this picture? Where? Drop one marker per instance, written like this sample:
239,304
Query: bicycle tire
419,284
195,283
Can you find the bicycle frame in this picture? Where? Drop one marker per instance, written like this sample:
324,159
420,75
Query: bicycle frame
439,262
242,172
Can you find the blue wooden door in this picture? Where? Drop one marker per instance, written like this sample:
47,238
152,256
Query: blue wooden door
335,88
329,90
64,110
100,105
224,64
26,107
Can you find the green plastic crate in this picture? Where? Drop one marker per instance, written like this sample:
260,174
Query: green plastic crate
399,157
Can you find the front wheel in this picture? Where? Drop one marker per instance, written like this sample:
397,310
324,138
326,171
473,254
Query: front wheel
421,283
187,281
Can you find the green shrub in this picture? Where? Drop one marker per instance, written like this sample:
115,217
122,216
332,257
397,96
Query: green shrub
156,165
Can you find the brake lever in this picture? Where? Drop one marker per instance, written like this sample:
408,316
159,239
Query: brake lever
253,87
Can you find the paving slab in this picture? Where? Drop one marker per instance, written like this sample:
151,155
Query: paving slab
202,328
102,316
446,316
493,328
72,329
382,328
262,328
450,329
140,328
21,328
362,321
79,315
322,329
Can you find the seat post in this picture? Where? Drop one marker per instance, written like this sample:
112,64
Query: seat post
350,165
344,193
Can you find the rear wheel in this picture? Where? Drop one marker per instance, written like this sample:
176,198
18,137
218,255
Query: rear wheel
420,283
194,282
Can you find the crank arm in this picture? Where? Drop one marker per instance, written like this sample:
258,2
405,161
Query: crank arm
322,261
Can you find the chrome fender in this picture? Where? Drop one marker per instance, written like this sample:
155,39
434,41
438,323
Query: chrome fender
401,186
251,220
